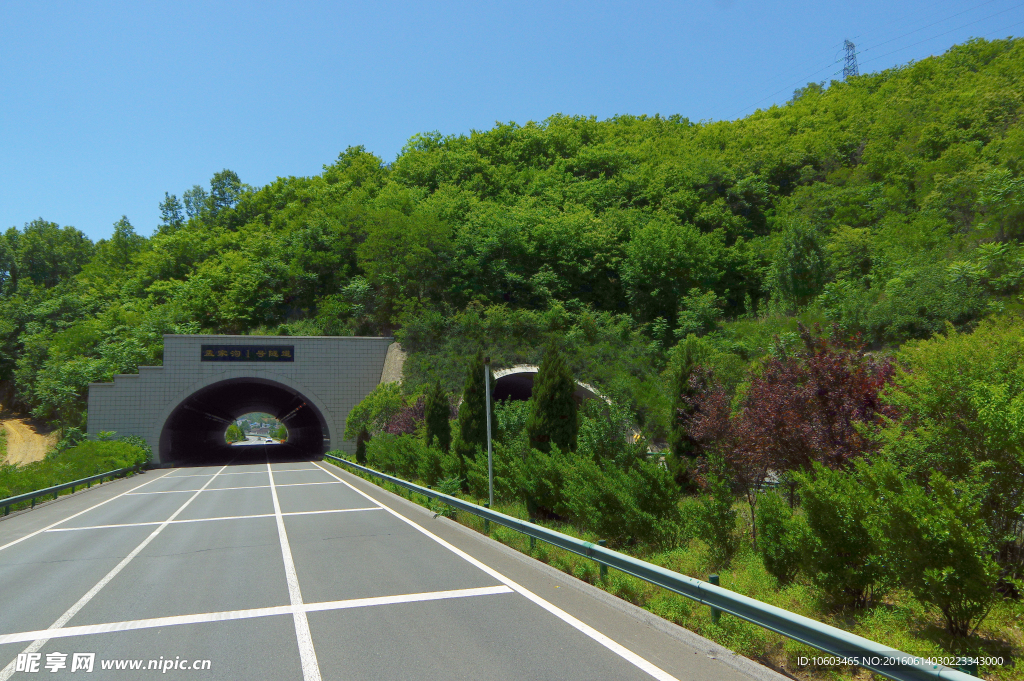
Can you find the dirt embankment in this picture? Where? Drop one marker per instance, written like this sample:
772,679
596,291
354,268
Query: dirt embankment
27,441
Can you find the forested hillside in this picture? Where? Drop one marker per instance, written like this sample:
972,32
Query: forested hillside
823,296
889,204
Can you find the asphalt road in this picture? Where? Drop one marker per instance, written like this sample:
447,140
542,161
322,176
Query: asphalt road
298,570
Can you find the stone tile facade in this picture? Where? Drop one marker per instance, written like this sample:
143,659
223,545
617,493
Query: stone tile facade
331,372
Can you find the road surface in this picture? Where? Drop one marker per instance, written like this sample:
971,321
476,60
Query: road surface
299,570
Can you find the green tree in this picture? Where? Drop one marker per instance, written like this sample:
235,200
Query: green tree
842,557
123,245
225,190
799,268
196,202
48,254
555,418
438,426
936,541
170,213
234,434
473,410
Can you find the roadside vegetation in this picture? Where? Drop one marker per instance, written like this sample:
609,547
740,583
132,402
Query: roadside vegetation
70,462
813,314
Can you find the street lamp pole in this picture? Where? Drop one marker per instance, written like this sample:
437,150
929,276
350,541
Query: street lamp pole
490,459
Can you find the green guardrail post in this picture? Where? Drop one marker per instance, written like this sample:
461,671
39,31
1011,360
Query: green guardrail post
487,523
604,568
533,540
716,614
88,484
7,509
969,668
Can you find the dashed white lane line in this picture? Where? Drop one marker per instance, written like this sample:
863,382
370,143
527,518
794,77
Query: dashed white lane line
59,522
73,610
175,620
307,654
620,650
222,489
203,520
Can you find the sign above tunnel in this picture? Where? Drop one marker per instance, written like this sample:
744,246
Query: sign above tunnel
247,353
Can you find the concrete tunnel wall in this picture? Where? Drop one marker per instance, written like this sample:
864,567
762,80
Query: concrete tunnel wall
329,374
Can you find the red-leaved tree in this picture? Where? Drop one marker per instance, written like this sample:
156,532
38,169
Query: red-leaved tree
800,409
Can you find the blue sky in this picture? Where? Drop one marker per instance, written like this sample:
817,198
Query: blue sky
105,106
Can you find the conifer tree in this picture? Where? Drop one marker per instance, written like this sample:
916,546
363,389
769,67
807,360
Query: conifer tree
361,446
472,422
684,405
439,428
554,418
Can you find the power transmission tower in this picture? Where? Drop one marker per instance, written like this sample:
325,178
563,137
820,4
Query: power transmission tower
850,68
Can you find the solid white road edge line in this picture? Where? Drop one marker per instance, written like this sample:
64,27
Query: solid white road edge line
617,648
27,536
307,654
73,610
132,625
203,520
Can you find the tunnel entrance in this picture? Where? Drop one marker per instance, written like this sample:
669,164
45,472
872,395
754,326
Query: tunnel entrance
194,433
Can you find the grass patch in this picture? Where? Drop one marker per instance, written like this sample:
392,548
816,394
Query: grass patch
82,461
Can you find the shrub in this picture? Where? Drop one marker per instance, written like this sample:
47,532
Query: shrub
961,397
375,410
937,543
718,519
430,468
781,537
436,412
141,443
623,506
398,455
841,556
473,410
554,419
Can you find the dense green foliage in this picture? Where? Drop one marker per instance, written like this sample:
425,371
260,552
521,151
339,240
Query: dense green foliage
554,421
891,201
81,461
438,425
472,431
234,434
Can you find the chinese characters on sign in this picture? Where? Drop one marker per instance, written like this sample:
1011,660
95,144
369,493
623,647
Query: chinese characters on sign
247,353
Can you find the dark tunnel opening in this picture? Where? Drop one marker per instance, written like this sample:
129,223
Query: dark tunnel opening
194,432
514,387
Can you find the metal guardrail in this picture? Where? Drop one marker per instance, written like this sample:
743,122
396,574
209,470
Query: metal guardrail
57,489
837,643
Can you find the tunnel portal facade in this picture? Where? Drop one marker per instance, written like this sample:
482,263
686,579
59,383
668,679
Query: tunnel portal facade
183,408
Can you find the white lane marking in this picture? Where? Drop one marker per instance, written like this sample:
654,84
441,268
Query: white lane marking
132,625
59,522
206,475
336,510
203,520
307,654
221,489
73,610
620,650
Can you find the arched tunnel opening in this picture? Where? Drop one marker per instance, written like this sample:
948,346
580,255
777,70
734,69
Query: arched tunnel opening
194,433
517,384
